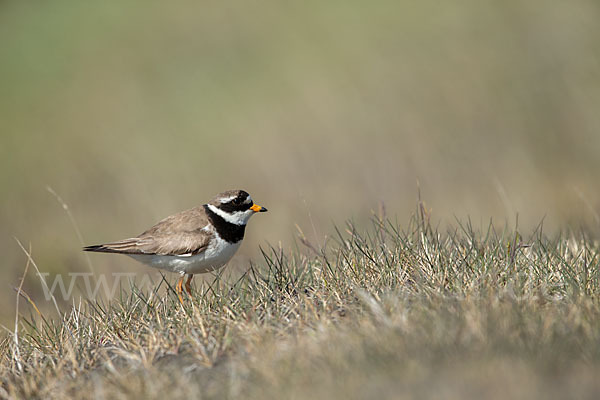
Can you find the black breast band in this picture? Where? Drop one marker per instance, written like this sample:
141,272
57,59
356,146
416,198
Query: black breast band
229,232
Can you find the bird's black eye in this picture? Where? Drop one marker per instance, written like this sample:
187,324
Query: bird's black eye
237,201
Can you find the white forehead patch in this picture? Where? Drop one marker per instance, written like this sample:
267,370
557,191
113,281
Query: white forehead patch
248,200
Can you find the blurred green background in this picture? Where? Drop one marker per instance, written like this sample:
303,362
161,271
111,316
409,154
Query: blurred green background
134,110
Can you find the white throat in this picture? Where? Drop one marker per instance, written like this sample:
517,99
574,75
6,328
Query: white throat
236,218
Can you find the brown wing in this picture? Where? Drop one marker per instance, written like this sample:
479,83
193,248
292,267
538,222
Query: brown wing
179,234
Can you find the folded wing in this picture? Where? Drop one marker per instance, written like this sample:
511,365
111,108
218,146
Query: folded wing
182,234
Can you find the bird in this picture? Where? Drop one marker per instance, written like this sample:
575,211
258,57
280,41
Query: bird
193,241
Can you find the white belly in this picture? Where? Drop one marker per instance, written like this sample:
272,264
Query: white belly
218,253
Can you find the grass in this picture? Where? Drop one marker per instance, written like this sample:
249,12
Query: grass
319,110
394,311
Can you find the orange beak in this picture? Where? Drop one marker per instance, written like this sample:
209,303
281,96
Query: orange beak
257,208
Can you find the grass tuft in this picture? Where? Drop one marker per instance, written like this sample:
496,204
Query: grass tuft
390,312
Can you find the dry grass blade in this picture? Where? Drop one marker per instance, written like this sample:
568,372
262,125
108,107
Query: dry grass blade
16,352
65,207
30,259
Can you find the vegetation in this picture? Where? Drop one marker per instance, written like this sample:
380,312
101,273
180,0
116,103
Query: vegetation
396,311
122,113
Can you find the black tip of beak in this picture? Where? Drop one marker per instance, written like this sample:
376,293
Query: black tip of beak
263,209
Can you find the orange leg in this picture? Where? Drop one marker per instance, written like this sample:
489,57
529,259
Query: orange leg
188,284
179,289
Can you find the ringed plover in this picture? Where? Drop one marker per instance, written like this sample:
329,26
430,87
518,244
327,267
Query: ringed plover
194,241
